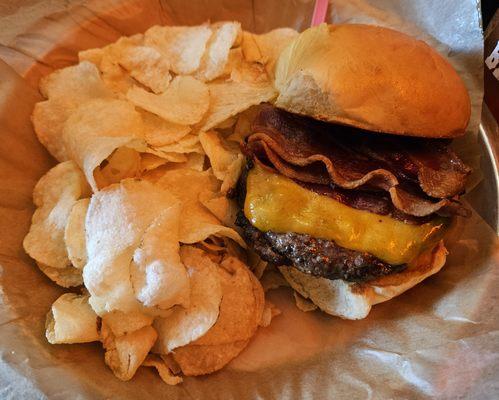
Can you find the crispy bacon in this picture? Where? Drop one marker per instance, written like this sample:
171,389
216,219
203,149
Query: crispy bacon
420,176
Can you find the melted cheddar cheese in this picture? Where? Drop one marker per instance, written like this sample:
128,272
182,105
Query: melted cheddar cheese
276,203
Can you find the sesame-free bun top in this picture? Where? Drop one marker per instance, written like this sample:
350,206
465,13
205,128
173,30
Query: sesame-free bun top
372,78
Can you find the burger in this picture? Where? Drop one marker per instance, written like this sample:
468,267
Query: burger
350,184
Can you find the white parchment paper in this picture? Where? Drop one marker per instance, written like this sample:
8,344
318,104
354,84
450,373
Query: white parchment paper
439,340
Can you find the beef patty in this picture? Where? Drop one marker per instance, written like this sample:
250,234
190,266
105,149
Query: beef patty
318,257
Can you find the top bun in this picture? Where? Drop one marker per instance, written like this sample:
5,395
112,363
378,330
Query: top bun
372,78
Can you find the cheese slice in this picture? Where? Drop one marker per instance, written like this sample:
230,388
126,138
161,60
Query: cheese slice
276,203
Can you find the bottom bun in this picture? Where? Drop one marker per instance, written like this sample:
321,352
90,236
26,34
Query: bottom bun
352,300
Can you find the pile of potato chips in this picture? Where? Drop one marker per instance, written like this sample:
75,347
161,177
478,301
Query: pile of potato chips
135,215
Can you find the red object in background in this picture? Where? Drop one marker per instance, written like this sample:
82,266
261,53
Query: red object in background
491,74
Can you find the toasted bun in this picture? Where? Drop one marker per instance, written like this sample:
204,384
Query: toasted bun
354,300
372,78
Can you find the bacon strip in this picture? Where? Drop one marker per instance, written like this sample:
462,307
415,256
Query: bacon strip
420,176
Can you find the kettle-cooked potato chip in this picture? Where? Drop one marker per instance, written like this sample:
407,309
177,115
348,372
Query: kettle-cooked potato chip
217,52
267,47
167,156
241,307
185,325
125,354
116,221
225,158
159,279
124,162
164,372
159,132
220,206
71,320
230,98
242,128
74,234
194,161
149,162
107,59
65,89
54,196
197,360
197,222
188,144
184,102
155,245
147,66
182,46
241,312
121,323
99,127
65,277
220,153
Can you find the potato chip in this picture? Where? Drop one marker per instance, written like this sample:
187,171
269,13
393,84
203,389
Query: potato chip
113,51
123,163
242,128
200,360
241,307
107,59
197,222
269,312
217,52
116,221
74,234
125,354
167,156
192,161
185,325
266,48
219,152
220,206
302,303
66,277
54,196
65,89
115,77
234,61
164,372
147,66
250,49
195,161
188,144
121,323
231,98
159,279
71,320
184,102
92,55
74,83
149,161
159,132
225,157
99,127
182,46
249,72
233,173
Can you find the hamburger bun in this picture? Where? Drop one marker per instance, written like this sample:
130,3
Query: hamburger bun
372,78
351,300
